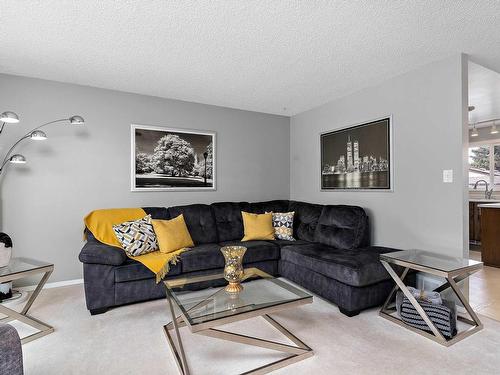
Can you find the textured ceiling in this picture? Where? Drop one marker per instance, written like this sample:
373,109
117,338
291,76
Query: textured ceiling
484,94
279,57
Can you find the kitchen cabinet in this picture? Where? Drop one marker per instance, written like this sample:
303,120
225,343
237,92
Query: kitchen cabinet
490,235
474,223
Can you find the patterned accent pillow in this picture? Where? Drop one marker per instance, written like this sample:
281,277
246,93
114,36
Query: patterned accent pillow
136,237
283,225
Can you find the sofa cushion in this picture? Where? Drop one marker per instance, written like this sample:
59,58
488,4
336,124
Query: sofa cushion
209,256
132,270
228,219
305,219
202,257
283,243
257,251
268,206
358,267
342,227
199,220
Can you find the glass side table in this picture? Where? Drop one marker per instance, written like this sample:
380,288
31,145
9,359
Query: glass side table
453,270
17,269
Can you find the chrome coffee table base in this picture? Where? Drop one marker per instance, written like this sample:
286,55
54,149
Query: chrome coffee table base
259,307
452,278
297,352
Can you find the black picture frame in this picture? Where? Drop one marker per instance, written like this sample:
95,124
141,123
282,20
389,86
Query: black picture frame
358,157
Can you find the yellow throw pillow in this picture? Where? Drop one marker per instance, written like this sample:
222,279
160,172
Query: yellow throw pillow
172,235
257,227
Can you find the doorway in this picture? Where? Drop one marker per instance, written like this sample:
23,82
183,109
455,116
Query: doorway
484,186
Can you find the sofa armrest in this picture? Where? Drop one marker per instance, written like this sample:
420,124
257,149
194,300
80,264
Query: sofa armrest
11,354
94,252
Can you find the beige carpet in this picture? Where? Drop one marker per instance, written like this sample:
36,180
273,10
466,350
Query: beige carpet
129,340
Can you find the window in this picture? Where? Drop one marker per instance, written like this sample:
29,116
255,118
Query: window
496,169
484,164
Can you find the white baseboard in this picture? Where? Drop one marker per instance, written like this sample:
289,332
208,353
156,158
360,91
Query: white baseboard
56,284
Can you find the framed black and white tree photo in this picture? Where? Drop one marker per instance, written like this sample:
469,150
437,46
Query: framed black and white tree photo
172,159
358,157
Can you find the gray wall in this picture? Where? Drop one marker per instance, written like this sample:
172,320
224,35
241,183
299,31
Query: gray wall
81,169
427,108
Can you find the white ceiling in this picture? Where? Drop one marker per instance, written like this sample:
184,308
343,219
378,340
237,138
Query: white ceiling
484,94
279,57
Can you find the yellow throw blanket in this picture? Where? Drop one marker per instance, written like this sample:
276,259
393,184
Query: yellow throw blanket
100,224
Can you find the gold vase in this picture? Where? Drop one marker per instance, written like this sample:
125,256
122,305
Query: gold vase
233,271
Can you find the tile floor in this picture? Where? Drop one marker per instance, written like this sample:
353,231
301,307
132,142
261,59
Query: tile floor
484,290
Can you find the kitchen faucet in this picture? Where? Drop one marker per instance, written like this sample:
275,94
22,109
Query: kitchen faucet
487,193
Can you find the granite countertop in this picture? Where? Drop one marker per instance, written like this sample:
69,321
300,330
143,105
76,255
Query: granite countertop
484,200
491,205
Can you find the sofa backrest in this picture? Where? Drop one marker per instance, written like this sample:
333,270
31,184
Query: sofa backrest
343,227
269,206
158,213
228,219
199,220
305,219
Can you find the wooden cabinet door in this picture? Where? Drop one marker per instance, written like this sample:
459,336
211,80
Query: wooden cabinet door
477,223
472,236
490,254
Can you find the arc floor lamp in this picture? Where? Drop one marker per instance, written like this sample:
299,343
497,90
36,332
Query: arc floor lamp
35,134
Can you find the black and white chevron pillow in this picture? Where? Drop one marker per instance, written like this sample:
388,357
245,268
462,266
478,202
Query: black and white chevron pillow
137,237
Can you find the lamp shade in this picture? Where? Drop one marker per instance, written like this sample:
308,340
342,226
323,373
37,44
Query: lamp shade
9,117
38,135
76,120
17,159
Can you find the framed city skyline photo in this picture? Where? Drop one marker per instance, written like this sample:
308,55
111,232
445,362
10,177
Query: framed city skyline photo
167,159
358,157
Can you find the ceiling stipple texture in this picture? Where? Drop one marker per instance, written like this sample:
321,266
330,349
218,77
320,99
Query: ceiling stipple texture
256,55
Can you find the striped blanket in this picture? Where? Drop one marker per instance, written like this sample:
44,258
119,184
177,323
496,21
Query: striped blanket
443,316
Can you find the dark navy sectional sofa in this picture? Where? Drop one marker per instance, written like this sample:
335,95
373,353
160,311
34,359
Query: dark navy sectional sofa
331,256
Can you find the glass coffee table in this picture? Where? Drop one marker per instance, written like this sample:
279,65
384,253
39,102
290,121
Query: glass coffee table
203,310
453,270
15,270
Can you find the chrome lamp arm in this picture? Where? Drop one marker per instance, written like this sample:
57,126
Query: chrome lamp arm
8,157
3,165
8,154
27,135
